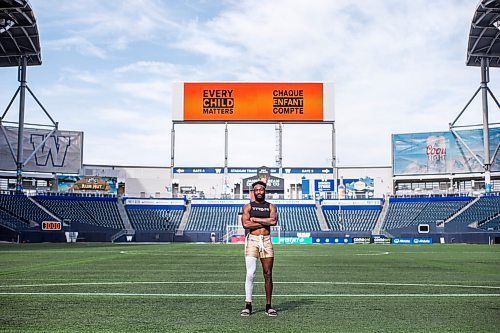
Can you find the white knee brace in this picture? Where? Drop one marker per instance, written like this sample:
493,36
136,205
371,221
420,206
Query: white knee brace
251,264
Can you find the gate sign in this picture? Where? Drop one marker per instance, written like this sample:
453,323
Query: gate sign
61,153
244,101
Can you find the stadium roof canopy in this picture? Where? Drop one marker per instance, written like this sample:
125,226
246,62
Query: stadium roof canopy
18,34
484,37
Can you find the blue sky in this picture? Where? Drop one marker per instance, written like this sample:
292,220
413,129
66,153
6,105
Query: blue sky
108,68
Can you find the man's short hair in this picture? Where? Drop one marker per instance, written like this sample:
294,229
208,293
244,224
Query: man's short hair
259,182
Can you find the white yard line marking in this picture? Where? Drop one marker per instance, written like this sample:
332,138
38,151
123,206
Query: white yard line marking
234,295
242,282
373,254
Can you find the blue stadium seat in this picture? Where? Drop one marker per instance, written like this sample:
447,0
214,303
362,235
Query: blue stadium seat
484,211
155,218
22,208
298,218
11,222
351,218
413,211
212,218
97,211
216,218
492,224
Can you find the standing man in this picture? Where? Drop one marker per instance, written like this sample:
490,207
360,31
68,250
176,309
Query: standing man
258,217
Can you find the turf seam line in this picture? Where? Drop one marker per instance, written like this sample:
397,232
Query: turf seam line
234,295
241,282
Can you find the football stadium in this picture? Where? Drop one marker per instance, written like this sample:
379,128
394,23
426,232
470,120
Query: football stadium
408,247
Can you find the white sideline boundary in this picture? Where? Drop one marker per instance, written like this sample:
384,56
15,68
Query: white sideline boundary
241,282
242,296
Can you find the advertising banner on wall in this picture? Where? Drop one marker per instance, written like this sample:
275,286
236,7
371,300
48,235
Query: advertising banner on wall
273,184
412,241
326,185
363,186
292,240
352,202
61,153
253,101
155,202
81,184
332,240
442,152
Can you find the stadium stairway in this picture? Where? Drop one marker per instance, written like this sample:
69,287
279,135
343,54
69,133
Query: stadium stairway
321,217
184,220
377,230
129,229
44,209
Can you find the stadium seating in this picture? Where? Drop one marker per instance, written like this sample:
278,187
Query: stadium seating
298,218
65,208
413,211
439,210
154,218
17,211
12,222
104,212
402,214
216,218
23,208
351,218
89,210
480,211
493,224
212,218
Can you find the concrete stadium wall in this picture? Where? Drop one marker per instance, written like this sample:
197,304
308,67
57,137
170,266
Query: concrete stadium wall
141,181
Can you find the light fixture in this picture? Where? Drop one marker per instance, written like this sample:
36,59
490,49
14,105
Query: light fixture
496,24
5,25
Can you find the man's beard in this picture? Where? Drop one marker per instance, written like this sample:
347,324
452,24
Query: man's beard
261,198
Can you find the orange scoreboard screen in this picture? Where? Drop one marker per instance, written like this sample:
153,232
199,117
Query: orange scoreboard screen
273,102
51,225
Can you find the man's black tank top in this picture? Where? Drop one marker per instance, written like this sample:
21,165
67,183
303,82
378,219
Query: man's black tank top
260,210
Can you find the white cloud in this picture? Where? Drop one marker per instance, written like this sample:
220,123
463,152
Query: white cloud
148,146
158,91
81,44
137,120
110,25
166,71
84,76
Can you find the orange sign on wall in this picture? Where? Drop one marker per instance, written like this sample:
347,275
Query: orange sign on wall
275,102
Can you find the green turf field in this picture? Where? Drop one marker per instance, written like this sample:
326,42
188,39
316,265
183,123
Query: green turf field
200,288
